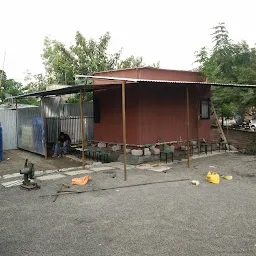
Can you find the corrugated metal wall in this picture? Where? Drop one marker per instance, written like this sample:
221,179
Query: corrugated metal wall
66,118
30,128
8,122
70,126
25,128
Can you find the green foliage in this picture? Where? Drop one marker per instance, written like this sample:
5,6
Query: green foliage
13,88
84,57
229,62
9,86
35,83
58,62
3,79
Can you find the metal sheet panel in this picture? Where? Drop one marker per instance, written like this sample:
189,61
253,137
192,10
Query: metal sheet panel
53,129
70,126
66,118
30,127
73,109
52,106
8,122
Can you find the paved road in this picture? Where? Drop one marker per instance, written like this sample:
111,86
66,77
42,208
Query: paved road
160,219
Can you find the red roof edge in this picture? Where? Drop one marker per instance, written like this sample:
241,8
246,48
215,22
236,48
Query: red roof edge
123,69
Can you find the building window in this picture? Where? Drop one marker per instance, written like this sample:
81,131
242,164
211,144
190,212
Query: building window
96,110
205,109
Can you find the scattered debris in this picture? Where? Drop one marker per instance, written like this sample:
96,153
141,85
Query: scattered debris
227,177
195,182
65,192
81,181
59,191
112,174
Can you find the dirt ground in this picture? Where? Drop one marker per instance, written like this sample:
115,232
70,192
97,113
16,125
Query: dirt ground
174,218
14,160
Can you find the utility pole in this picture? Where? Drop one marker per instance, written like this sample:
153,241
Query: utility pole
2,73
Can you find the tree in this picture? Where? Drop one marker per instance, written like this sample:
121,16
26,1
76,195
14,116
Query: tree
9,86
35,83
2,84
58,62
229,62
85,57
13,87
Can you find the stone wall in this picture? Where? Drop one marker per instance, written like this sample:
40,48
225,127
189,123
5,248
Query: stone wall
238,138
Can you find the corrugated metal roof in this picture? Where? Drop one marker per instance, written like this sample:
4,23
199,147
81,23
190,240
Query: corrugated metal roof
64,91
90,88
135,80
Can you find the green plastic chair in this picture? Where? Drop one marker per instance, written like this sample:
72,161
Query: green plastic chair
103,156
166,152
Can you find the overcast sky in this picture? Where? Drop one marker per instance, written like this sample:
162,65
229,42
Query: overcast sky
165,31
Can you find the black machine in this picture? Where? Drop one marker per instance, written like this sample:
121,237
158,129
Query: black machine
29,173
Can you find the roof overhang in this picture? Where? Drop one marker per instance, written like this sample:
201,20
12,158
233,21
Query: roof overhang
117,81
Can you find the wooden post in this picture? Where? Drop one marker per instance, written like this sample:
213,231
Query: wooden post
16,107
227,129
44,118
124,127
82,125
188,142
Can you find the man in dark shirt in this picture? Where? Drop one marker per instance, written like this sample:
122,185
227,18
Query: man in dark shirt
62,144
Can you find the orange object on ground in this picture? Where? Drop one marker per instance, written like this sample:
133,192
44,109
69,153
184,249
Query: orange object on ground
81,181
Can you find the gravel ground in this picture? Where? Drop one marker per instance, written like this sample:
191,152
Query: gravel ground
160,219
16,160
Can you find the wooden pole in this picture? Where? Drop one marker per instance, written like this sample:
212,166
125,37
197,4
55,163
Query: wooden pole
44,118
82,125
227,129
188,142
16,107
124,127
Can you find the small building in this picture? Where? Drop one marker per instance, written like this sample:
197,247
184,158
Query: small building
156,106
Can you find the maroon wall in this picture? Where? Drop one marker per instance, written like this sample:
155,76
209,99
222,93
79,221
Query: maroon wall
151,74
164,114
110,127
152,111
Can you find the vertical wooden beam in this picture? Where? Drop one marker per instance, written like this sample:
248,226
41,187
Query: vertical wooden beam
188,127
124,126
44,118
227,129
16,107
82,125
